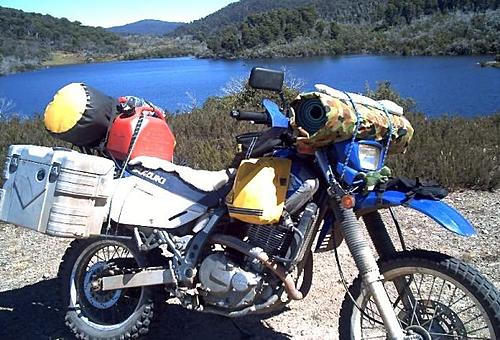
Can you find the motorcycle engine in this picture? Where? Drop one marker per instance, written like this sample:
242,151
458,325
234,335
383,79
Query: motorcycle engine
226,284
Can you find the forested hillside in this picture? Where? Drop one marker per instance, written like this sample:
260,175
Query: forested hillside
345,11
27,39
257,28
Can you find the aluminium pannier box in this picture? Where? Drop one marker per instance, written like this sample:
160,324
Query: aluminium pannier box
56,191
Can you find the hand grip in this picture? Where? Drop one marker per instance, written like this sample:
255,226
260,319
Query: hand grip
256,117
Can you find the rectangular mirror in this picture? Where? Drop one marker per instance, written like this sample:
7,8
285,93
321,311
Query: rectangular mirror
265,79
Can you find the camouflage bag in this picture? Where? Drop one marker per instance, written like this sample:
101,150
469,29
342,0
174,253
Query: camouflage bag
329,120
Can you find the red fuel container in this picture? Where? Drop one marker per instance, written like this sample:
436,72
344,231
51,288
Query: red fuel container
155,138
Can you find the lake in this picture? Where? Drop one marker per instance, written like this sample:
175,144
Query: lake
454,85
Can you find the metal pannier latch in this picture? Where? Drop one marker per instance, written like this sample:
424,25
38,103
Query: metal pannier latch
55,170
14,163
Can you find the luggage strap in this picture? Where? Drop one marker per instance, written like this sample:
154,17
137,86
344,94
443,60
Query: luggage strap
354,134
356,130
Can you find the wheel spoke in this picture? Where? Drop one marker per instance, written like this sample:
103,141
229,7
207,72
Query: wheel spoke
435,309
383,336
373,313
115,252
432,288
473,319
452,296
420,286
441,291
99,258
478,329
465,309
460,299
414,307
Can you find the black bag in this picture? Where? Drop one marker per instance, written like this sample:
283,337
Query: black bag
258,144
415,188
80,114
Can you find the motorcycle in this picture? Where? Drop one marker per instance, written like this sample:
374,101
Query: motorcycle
214,262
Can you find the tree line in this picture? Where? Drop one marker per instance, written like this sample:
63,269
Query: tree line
397,12
26,39
264,28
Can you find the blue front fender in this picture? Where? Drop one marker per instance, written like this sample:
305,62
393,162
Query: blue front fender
440,212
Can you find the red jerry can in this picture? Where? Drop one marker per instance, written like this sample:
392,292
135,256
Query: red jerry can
155,139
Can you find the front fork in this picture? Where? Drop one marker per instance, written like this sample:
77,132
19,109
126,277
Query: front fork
367,267
360,250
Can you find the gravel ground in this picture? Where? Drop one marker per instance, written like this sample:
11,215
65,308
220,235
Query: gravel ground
29,298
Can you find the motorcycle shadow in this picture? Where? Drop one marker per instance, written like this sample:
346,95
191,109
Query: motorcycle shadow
34,312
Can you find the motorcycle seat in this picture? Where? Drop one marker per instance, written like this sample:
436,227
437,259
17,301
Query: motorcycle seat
204,180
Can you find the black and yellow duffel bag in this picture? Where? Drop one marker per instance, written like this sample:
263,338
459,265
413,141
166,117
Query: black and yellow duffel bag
80,114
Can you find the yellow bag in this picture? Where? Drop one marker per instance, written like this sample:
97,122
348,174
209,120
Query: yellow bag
259,190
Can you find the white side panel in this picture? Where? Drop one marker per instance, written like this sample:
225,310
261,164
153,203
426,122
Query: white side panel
137,202
204,180
2,199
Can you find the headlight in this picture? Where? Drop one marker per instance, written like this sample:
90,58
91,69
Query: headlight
369,156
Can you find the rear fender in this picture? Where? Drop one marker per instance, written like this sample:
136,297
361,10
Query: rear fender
439,211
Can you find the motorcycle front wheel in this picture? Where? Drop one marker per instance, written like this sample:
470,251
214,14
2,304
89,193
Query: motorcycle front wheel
434,295
96,314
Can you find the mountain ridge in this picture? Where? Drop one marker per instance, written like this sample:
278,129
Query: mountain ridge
146,27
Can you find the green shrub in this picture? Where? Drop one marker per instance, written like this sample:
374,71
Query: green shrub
458,152
206,136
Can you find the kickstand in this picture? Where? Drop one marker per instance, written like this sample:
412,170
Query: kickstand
245,334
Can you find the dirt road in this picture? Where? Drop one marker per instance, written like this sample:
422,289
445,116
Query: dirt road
29,300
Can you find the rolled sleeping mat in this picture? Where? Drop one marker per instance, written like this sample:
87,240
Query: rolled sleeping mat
311,115
329,120
79,114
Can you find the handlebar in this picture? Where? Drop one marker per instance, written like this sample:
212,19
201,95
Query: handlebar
256,117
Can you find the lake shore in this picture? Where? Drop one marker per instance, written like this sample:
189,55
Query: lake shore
58,59
179,83
61,58
493,63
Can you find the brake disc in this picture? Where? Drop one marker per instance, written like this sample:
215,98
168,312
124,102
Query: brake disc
98,298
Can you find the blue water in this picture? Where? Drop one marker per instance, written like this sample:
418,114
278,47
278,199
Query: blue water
454,85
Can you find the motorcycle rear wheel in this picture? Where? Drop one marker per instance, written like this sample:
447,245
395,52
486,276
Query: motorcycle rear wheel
439,297
91,314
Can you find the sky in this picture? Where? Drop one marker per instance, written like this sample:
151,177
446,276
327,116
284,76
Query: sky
107,13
